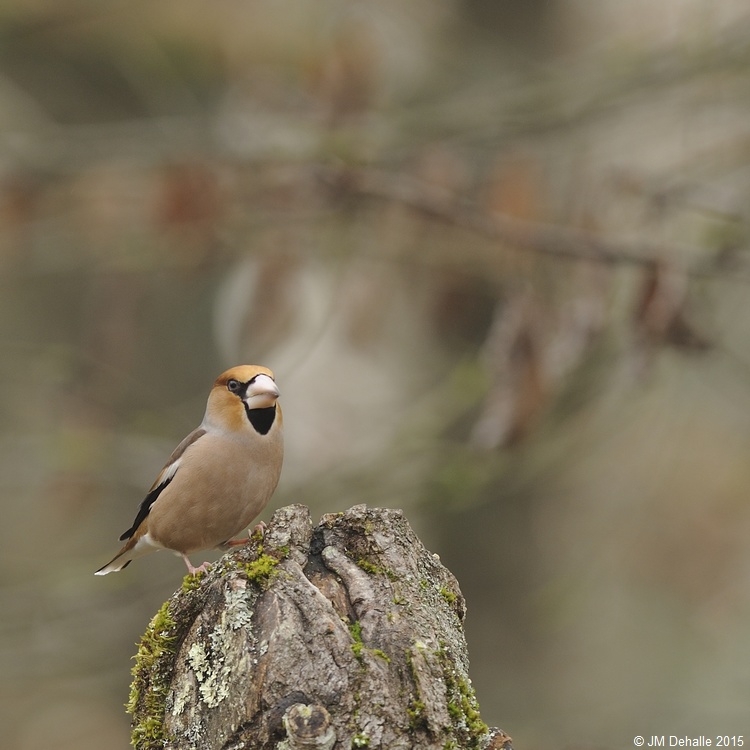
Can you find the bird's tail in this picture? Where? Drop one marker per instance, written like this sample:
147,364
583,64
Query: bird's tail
135,547
115,565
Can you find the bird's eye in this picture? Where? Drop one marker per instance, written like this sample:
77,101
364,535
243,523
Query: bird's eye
233,385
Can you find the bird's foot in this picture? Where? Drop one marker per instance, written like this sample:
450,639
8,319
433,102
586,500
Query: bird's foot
203,568
257,535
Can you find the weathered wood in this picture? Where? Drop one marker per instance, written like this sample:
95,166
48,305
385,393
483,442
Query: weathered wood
346,635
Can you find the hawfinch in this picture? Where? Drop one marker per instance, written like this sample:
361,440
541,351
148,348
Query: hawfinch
218,479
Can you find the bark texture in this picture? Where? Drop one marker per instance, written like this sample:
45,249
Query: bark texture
345,635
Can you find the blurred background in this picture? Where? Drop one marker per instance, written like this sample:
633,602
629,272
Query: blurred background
496,254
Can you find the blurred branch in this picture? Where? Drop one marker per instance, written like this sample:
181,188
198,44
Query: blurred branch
555,240
584,87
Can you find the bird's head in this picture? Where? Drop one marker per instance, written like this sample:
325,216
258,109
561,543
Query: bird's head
242,396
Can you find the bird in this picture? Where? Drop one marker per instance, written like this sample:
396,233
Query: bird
218,479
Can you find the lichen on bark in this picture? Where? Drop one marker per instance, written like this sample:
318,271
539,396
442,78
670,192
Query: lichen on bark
348,634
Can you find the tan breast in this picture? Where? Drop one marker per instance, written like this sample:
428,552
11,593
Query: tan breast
220,487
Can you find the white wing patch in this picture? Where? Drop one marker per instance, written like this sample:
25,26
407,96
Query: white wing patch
167,473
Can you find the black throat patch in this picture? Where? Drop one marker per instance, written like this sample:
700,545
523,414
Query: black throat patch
261,419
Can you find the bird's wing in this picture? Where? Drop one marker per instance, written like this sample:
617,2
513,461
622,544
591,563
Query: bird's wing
165,477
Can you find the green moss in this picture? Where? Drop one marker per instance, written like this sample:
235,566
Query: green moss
381,655
260,570
355,630
454,709
150,685
149,733
464,708
263,568
376,570
415,712
257,535
360,740
470,707
192,581
466,728
448,595
367,566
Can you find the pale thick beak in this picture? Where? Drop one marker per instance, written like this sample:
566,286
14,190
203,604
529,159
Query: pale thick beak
261,393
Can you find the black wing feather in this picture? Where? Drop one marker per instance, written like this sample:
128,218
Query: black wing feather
144,508
157,489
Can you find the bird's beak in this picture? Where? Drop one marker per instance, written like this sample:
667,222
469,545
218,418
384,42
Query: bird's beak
261,393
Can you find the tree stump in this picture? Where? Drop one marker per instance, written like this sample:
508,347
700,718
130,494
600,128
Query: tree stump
346,635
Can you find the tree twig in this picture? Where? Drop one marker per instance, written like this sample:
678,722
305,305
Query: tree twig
555,240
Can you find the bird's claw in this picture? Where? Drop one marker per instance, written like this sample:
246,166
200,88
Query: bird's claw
257,535
203,568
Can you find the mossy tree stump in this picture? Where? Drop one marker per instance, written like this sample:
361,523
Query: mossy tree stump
346,635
